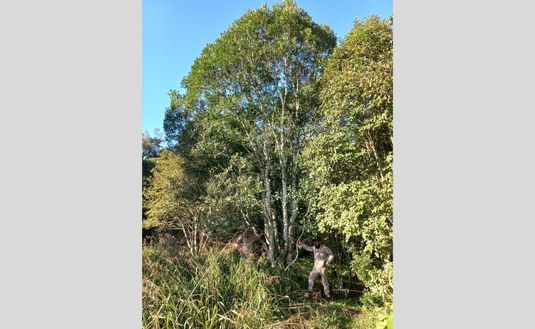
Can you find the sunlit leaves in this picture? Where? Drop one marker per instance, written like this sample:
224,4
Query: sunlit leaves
164,195
349,162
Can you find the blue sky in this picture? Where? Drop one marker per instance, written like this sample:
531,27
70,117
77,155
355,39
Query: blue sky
176,31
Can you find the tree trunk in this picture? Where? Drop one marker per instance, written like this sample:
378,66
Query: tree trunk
293,179
270,226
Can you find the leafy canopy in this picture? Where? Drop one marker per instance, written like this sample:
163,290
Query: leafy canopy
349,162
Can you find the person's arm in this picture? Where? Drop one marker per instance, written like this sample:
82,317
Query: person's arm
304,246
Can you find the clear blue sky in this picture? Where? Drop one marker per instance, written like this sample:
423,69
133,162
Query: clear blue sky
176,31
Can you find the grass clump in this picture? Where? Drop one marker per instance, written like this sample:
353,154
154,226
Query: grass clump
211,290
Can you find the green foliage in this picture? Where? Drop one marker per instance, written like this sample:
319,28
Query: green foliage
151,148
147,166
279,130
234,197
151,145
349,162
250,98
245,65
374,318
176,120
385,321
164,197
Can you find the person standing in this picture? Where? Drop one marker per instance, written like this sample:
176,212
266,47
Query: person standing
323,256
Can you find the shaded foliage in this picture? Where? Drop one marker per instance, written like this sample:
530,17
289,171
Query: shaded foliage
349,161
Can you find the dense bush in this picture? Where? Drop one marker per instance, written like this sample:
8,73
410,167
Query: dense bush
349,182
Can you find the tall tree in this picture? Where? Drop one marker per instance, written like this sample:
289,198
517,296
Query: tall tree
349,161
253,93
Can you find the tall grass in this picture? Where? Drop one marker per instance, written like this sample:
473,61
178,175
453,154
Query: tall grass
216,290
213,290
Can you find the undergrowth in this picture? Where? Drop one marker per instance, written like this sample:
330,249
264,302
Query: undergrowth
216,290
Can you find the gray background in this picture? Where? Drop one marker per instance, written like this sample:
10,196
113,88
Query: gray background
70,86
464,161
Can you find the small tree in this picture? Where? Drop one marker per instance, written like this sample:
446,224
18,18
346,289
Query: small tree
169,204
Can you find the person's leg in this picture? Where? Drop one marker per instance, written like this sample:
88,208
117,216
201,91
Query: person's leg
325,283
311,278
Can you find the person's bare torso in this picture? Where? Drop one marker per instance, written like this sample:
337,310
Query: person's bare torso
321,255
